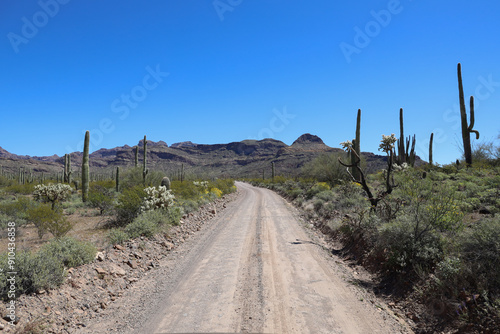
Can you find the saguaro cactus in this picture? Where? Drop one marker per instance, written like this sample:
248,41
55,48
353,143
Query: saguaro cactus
272,170
85,168
136,156
356,146
401,142
182,173
430,148
404,154
144,163
117,179
67,168
466,128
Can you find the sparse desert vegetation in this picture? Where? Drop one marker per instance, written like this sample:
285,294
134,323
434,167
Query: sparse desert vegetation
54,229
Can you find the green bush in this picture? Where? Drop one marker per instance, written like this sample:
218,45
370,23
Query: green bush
480,252
17,208
316,189
117,236
326,195
133,178
100,197
326,168
69,251
5,182
188,205
407,248
129,205
47,220
174,215
35,272
157,217
24,189
318,204
141,226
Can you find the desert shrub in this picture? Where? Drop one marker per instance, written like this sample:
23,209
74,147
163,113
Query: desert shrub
100,197
188,205
5,181
480,252
316,189
133,177
447,275
69,251
157,217
359,228
432,206
294,193
117,236
174,215
24,189
129,205
108,184
185,190
407,250
318,204
47,220
53,193
430,210
35,272
216,192
326,168
326,195
18,208
226,186
141,226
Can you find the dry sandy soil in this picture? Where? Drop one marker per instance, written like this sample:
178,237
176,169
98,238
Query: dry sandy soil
254,268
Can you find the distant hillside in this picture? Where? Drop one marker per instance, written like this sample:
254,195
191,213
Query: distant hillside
247,158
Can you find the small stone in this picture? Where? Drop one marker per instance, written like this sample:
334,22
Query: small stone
100,271
119,247
100,256
132,264
119,271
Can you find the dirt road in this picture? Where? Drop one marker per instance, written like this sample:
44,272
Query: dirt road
254,269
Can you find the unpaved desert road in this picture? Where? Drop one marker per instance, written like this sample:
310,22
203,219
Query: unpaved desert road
256,270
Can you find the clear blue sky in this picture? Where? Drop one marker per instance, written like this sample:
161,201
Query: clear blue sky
227,70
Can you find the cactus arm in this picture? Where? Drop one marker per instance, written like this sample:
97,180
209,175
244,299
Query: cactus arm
472,119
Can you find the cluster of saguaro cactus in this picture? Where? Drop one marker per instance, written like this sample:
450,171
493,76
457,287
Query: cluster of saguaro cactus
144,163
467,128
67,168
85,168
406,153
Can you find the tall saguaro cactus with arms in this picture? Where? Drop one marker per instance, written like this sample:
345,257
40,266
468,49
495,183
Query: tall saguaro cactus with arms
466,128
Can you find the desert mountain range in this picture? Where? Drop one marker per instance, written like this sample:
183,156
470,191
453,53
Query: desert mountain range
247,158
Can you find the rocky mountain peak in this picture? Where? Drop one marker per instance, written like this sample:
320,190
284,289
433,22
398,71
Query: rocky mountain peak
308,139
